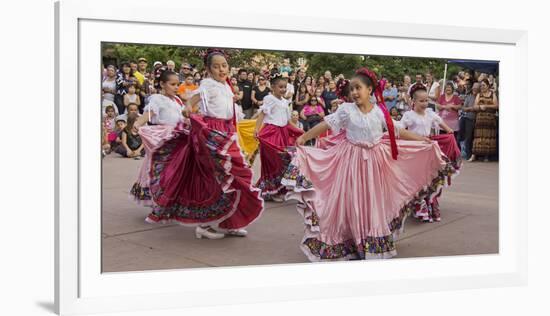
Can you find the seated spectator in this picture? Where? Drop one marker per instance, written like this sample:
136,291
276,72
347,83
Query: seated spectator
132,146
132,108
120,125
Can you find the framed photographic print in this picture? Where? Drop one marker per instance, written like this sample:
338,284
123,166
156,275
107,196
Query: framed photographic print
268,162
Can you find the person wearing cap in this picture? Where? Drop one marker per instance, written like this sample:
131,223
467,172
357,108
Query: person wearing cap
142,67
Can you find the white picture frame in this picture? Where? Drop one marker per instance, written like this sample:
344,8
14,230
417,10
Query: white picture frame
81,287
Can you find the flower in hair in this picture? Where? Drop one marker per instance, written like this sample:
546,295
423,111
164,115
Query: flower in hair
417,87
211,51
369,73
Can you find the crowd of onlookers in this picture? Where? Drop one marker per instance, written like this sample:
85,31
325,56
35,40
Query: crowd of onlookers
126,91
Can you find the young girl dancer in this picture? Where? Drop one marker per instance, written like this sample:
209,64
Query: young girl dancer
275,138
363,185
200,177
164,113
421,120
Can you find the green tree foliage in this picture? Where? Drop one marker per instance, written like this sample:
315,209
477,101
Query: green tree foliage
393,67
335,63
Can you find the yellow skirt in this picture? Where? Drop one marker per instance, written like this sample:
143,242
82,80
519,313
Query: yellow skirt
249,144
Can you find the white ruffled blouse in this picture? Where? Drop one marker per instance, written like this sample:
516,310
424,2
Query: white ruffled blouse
361,128
421,125
276,110
166,111
217,100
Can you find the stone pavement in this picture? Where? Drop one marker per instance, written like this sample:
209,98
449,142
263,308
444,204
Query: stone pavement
469,226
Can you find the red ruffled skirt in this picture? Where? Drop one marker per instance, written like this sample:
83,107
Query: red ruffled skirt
200,177
275,147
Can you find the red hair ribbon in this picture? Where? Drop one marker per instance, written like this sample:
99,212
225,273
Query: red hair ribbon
379,87
378,93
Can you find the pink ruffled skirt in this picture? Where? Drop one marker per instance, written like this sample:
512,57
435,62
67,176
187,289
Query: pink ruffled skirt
355,198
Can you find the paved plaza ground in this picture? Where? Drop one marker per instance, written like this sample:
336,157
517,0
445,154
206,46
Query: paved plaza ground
469,226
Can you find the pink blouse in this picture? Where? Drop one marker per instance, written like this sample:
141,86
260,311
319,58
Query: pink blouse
450,117
308,110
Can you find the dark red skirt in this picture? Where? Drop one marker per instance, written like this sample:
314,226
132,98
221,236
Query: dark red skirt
449,147
275,147
200,177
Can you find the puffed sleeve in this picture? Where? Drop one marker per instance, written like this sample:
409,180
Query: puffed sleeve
406,120
268,105
154,105
339,119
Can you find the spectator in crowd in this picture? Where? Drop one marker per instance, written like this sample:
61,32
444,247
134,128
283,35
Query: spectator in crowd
157,70
467,120
302,98
321,83
448,106
492,83
329,96
139,76
300,77
124,79
237,93
295,120
289,95
150,87
395,115
131,97
434,91
402,99
327,75
108,86
285,67
390,95
259,92
132,109
132,145
120,125
187,88
197,77
312,113
251,77
185,70
245,86
319,95
171,65
292,79
309,84
109,128
140,85
485,128
142,67
418,79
